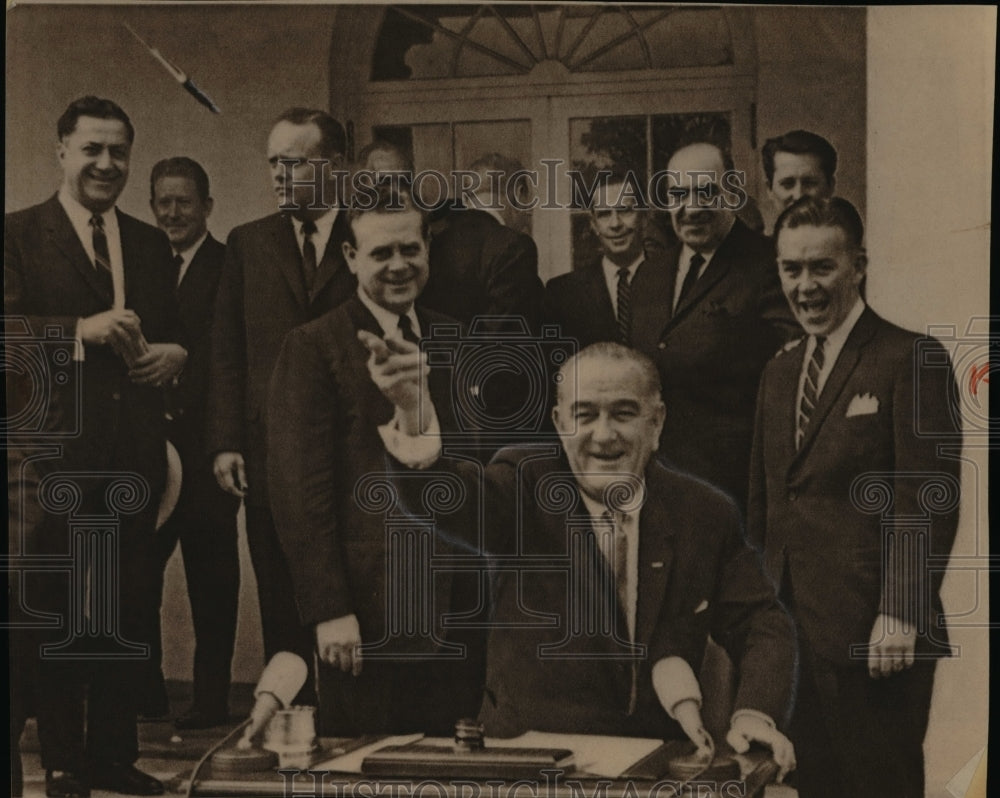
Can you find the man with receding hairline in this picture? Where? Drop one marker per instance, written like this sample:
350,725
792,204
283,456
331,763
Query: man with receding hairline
799,164
653,559
279,272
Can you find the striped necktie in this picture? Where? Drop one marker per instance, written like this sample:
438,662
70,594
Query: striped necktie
102,257
624,307
810,389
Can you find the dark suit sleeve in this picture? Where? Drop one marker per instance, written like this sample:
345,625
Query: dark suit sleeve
302,478
753,627
926,483
17,300
772,306
757,496
512,281
227,360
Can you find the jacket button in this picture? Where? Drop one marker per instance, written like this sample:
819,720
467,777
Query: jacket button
662,345
792,495
116,396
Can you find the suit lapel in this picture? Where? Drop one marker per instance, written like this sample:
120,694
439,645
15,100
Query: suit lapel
286,254
846,361
332,255
596,298
656,554
782,411
652,284
63,236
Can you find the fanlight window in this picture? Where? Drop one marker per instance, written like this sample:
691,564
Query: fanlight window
462,41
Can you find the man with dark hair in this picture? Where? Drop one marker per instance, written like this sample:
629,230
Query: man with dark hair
595,528
204,519
323,442
279,272
855,508
799,164
78,267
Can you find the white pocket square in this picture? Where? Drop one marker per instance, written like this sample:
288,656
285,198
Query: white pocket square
701,607
864,404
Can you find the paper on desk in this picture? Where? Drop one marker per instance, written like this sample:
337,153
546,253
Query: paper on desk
351,761
593,753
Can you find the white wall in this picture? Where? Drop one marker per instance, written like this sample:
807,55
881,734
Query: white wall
930,111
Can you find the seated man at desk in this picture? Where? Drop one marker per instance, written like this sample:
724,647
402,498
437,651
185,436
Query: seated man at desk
610,570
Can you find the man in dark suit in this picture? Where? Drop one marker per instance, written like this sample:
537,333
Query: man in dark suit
77,266
323,442
855,508
204,519
709,329
652,559
279,272
482,262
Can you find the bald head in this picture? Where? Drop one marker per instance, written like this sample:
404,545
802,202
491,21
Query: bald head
700,218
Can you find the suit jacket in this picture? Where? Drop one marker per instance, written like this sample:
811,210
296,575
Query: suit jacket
822,533
50,280
697,575
709,352
261,296
479,266
323,442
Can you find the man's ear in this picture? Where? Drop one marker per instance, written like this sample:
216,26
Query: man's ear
860,265
209,204
555,417
350,253
659,416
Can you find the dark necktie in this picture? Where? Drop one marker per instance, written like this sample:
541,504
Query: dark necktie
624,307
308,252
178,262
102,258
406,330
810,389
693,272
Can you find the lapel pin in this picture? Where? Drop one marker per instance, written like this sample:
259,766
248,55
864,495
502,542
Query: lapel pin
657,564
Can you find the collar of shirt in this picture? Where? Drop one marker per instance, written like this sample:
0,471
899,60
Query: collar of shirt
611,276
388,320
324,226
80,217
831,349
188,255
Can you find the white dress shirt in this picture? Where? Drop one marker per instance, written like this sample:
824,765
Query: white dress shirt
188,255
80,217
324,226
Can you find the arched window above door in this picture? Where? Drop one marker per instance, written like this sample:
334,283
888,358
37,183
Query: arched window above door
464,41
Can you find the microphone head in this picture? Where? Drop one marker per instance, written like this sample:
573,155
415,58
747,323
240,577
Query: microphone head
283,677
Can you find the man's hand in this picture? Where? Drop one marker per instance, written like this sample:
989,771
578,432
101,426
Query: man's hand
118,328
747,728
231,473
688,714
160,364
400,371
890,647
339,643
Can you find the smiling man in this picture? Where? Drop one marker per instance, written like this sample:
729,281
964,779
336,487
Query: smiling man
77,265
855,412
323,440
798,164
598,529
204,520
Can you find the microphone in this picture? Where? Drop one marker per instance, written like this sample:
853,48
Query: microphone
278,685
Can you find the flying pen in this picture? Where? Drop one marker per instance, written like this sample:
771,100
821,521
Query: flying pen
179,75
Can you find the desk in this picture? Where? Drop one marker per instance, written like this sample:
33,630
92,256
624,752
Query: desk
757,769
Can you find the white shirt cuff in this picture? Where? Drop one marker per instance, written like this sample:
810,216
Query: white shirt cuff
413,451
763,716
78,348
675,682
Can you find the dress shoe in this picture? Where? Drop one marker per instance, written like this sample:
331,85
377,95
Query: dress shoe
64,784
126,779
196,718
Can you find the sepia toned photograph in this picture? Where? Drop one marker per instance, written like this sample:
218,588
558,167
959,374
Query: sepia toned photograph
480,400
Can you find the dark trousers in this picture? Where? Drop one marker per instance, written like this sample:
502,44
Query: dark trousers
86,704
859,736
279,616
204,521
